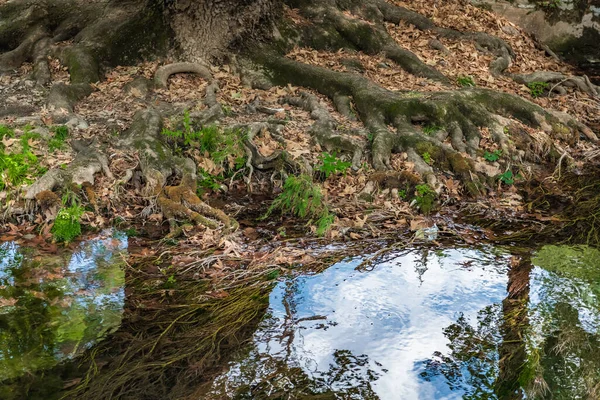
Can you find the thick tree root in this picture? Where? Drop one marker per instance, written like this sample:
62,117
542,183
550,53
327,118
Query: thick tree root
325,130
162,75
393,118
81,171
503,52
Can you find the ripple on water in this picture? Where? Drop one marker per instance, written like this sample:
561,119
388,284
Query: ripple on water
423,325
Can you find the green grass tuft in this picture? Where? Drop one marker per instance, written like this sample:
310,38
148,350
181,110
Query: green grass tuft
304,199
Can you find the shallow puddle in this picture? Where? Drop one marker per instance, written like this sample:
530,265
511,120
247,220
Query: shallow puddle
446,324
54,306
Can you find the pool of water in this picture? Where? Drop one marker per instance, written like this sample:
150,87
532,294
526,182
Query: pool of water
453,323
54,306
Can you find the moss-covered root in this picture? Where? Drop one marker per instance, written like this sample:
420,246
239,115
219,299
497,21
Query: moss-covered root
333,29
81,171
157,164
393,118
326,131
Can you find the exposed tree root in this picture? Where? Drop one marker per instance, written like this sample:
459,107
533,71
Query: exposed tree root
87,163
163,73
325,131
391,117
558,82
157,164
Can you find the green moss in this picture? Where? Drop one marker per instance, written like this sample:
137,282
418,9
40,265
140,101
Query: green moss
425,198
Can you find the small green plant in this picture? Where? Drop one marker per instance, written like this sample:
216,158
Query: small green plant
224,147
370,137
67,224
6,131
507,177
429,129
61,133
465,81
302,198
131,232
402,194
332,165
425,198
537,88
17,168
272,275
427,158
493,156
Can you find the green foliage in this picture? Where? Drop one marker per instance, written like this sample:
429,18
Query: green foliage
402,194
273,275
332,165
493,156
224,147
507,177
549,3
425,198
429,129
537,88
131,232
6,131
427,158
465,81
304,199
16,168
61,133
67,225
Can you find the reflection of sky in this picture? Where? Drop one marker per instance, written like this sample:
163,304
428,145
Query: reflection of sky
8,252
84,266
393,314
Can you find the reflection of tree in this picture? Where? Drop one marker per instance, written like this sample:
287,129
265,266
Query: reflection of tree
538,351
564,360
514,330
263,376
471,367
46,316
486,361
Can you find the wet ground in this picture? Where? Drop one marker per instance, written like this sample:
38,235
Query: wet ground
429,322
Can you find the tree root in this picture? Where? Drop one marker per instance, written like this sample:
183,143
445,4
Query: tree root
558,82
81,171
162,75
325,130
504,53
157,164
354,33
392,119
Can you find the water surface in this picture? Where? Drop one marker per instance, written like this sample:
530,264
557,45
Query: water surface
430,325
54,306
